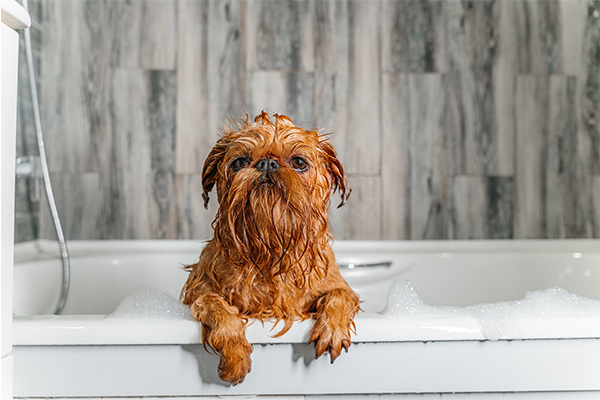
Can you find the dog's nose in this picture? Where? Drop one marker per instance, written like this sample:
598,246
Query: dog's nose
267,165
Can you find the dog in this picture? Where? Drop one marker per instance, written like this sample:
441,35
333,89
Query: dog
271,257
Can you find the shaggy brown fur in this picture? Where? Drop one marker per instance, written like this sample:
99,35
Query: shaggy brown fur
271,257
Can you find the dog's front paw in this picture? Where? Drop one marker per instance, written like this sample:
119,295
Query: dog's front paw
334,314
235,362
328,338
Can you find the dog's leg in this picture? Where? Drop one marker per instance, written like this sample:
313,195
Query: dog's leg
224,331
334,313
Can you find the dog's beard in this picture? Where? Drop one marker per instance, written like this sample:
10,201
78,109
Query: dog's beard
268,222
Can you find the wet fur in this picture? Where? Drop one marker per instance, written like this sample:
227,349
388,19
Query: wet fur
270,258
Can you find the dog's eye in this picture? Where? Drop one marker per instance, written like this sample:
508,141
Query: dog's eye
240,163
299,164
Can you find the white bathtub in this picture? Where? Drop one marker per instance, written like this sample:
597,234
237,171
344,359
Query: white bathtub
84,353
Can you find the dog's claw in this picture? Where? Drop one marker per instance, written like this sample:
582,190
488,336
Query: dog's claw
327,340
346,344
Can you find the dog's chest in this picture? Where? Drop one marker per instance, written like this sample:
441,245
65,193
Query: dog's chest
270,299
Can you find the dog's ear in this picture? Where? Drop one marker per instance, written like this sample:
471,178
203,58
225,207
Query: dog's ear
211,169
336,171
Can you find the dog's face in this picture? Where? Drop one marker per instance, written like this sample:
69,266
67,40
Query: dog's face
273,182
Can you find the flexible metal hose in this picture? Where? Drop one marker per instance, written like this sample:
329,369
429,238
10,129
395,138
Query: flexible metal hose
64,253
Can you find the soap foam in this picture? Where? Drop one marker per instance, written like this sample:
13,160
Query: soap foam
150,304
496,320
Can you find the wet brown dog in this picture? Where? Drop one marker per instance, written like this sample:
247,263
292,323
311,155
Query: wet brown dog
271,257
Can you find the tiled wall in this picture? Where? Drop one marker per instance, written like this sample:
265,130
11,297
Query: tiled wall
454,119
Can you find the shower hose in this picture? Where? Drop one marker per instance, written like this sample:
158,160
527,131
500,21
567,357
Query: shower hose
64,253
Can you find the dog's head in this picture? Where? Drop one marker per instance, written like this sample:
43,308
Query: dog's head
273,182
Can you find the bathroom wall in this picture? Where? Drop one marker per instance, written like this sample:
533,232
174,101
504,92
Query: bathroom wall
454,119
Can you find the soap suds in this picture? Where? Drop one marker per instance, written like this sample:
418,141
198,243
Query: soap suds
496,320
150,304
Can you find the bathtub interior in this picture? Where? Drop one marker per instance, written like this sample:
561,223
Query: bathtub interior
462,274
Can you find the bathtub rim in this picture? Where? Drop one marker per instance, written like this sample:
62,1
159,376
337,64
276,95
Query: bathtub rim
71,330
98,330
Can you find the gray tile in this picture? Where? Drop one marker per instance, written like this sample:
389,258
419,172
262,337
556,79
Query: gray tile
500,208
360,217
356,87
396,158
325,65
481,208
560,155
73,83
26,209
25,190
537,24
211,84
468,149
413,37
595,206
468,208
193,220
588,88
415,152
553,183
287,93
281,35
569,182
144,34
25,227
479,88
572,23
26,134
79,207
530,161
139,194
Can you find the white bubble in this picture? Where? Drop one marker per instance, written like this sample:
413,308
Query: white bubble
150,304
496,320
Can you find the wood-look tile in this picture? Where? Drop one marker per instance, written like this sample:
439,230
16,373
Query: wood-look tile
26,209
211,76
530,157
595,202
414,155
537,24
26,134
94,81
26,227
73,85
500,138
481,207
568,209
588,88
503,76
500,210
142,110
468,207
413,37
325,65
288,93
193,220
281,35
79,206
553,184
479,89
356,92
395,157
360,217
572,23
144,34
561,155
